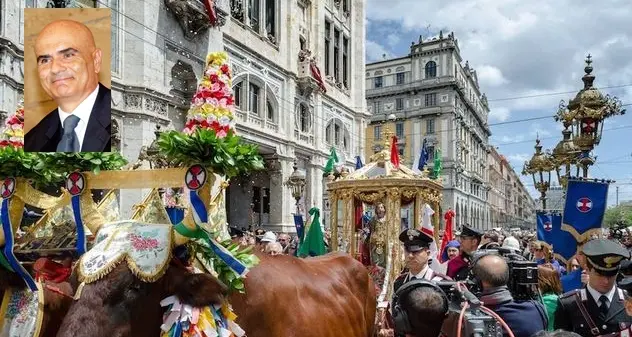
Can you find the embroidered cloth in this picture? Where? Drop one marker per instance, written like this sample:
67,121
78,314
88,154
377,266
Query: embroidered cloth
21,315
146,248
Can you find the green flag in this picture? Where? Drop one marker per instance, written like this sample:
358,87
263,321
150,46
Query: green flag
436,171
333,159
314,243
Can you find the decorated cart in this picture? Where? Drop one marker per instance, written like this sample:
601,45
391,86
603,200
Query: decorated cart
77,233
398,198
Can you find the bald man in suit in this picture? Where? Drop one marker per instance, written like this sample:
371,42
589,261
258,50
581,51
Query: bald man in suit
68,63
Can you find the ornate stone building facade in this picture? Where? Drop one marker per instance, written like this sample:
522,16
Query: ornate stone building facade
510,203
158,55
435,96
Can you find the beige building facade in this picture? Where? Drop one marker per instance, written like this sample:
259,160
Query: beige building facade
434,95
510,203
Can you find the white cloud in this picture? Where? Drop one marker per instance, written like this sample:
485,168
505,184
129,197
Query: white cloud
392,39
500,114
525,48
375,51
490,76
538,131
519,158
511,139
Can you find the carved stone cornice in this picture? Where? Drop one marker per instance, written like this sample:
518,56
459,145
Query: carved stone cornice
193,17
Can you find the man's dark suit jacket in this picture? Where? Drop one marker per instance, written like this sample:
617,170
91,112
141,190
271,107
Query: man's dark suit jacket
45,136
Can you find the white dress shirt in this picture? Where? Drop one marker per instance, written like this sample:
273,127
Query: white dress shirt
596,295
83,111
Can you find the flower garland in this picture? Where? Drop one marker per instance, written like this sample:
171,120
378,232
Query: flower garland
13,133
213,105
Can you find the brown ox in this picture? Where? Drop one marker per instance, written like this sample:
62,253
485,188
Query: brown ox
328,296
121,305
55,307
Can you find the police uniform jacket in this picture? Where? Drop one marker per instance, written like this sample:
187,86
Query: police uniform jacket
568,315
426,274
458,267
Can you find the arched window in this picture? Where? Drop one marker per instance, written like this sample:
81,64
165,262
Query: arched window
269,111
255,96
303,120
183,80
337,134
431,69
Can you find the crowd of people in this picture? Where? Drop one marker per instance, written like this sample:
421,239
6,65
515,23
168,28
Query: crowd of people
584,297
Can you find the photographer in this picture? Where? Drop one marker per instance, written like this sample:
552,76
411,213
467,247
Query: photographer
419,309
523,318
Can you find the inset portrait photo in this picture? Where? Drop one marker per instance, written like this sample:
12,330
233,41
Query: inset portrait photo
67,80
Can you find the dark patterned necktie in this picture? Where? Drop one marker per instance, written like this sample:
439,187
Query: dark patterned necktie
603,306
69,141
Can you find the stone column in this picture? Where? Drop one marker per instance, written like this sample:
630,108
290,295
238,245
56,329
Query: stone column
282,204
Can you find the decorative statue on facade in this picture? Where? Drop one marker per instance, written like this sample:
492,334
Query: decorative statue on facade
376,236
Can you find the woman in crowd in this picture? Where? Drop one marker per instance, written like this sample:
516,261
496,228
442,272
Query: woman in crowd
550,288
544,255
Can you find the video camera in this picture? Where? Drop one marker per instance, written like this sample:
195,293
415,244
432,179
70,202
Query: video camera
476,322
523,274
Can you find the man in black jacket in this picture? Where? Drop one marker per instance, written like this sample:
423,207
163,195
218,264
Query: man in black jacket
68,64
598,308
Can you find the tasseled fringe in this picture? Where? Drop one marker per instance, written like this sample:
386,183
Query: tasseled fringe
181,320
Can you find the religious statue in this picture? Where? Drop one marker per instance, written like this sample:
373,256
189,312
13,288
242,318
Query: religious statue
376,236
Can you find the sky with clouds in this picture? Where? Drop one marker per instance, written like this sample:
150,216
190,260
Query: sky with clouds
530,48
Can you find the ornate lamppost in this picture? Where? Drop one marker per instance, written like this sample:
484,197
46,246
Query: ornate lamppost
296,182
564,155
540,167
586,114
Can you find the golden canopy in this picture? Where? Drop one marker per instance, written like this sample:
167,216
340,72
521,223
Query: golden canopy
381,181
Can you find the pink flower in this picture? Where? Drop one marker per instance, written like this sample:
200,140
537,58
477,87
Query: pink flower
212,101
221,133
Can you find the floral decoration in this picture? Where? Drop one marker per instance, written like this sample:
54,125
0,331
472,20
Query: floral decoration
13,133
213,105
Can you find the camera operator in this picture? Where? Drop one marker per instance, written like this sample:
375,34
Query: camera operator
419,309
417,248
459,267
523,318
598,308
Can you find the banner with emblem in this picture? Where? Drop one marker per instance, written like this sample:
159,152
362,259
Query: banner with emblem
586,202
550,231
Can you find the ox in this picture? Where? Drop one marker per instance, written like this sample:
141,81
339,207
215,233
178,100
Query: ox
327,296
121,305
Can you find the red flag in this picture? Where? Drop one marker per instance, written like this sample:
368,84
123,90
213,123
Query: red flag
210,11
317,76
394,153
448,235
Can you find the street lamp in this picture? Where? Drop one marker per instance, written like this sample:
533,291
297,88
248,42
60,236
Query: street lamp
296,182
587,113
564,155
540,167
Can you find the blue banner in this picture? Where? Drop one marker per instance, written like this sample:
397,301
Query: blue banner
572,281
585,206
549,227
7,250
299,223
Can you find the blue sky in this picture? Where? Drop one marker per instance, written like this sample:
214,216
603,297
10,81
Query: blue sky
535,48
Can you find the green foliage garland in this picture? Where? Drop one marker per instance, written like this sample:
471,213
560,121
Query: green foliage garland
225,274
45,169
226,156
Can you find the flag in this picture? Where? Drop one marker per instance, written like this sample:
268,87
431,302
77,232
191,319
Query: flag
423,156
300,226
436,170
549,230
428,229
331,161
359,164
448,234
584,208
394,153
210,11
571,281
314,242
